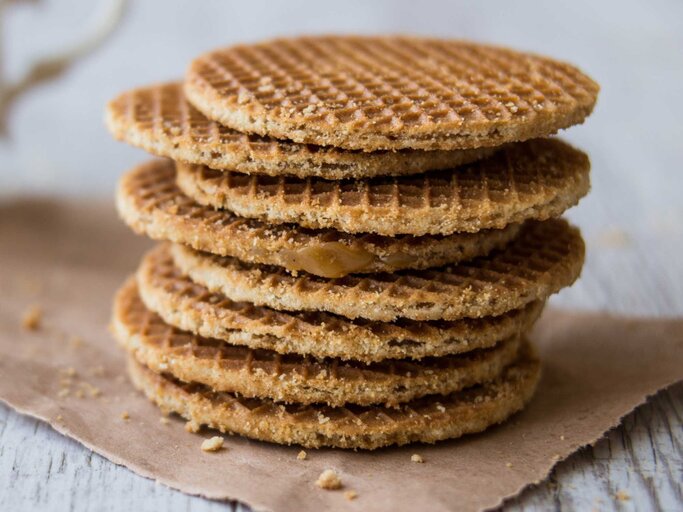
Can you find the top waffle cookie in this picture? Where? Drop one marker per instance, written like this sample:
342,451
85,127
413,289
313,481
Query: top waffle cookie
378,93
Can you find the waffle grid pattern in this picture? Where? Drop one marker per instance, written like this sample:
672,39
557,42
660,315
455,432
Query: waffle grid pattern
160,120
192,307
293,377
151,203
426,419
388,93
544,258
533,180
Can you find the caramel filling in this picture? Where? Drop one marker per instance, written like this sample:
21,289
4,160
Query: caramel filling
331,259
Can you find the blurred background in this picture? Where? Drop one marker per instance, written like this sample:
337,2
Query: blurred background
55,142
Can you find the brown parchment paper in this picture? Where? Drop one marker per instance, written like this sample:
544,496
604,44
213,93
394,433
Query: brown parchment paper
68,258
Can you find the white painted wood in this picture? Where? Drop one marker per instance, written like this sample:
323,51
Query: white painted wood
633,219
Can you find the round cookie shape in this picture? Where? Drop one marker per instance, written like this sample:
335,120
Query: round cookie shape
429,419
150,202
192,307
543,259
159,119
293,378
395,92
536,179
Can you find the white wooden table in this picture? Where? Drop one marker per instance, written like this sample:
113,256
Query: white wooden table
633,219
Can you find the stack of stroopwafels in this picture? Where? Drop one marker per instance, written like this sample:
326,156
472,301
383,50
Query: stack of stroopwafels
358,232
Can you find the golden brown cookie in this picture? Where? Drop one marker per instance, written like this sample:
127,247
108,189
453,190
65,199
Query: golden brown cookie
429,419
149,201
159,119
537,179
544,258
292,377
191,307
373,93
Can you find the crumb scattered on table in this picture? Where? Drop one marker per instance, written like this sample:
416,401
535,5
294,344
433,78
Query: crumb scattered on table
301,455
561,438
125,415
329,480
32,318
350,495
416,457
213,444
164,420
508,464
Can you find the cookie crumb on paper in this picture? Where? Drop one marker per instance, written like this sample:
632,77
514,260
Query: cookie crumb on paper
350,495
329,480
32,318
213,444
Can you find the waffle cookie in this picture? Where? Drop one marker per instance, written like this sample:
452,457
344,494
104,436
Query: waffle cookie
544,258
378,93
149,201
428,419
182,303
537,179
292,378
160,120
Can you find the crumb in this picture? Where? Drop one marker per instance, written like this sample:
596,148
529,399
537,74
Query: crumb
415,457
80,393
75,342
32,318
164,420
125,415
350,495
622,496
561,438
94,391
301,455
328,480
60,417
212,445
192,426
508,464
557,456
70,372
